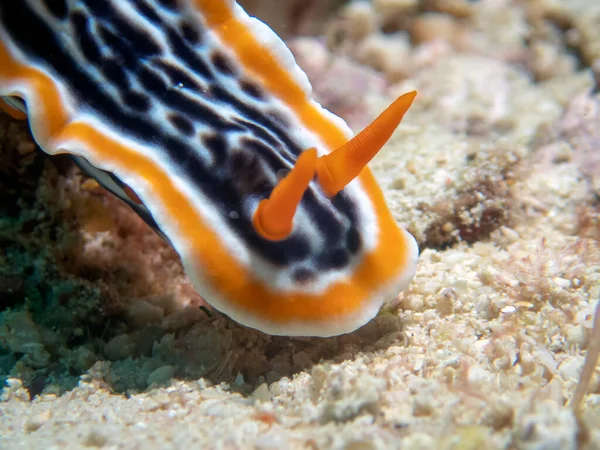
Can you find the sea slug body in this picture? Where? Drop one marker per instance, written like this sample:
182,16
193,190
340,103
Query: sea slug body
198,117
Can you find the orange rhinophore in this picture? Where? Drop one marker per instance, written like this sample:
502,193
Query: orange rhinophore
188,111
345,163
274,217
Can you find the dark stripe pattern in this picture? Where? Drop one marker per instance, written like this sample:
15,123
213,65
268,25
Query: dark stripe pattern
149,70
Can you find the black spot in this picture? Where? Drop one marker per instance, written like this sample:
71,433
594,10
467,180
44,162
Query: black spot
58,8
337,259
141,42
152,81
99,9
303,275
115,73
170,4
247,175
252,89
182,124
189,32
221,63
217,145
353,240
243,163
137,101
148,12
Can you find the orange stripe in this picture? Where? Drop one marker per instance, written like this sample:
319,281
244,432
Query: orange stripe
11,111
52,114
260,62
223,272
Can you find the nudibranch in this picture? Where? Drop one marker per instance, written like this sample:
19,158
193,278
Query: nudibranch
197,116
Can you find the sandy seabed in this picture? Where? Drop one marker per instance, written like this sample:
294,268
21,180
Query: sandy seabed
496,172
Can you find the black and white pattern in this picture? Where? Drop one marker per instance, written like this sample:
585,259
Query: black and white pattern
150,71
